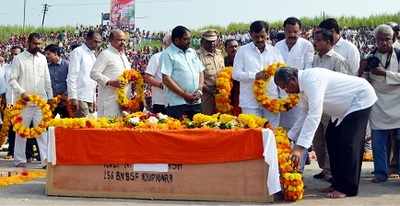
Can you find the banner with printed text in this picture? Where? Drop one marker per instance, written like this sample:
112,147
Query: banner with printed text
122,13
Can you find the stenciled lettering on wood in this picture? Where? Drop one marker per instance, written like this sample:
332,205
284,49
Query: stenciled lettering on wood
124,172
175,167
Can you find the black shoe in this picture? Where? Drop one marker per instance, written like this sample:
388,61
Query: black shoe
320,175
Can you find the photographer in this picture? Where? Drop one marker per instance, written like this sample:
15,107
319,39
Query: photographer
382,68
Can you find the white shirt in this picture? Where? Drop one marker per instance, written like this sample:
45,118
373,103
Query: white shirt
31,74
10,96
80,85
109,65
248,61
300,55
331,93
350,52
154,69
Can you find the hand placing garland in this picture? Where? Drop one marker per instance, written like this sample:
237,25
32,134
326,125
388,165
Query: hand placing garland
130,75
291,180
17,119
260,89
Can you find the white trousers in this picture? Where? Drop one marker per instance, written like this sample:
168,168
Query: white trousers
31,114
260,111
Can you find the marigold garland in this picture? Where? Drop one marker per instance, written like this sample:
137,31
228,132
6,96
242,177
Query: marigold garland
274,105
224,87
55,101
77,123
130,75
17,119
6,125
368,157
12,178
226,121
291,180
293,186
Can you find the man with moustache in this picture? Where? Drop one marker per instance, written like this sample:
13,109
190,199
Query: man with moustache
81,88
58,68
109,65
182,74
249,62
30,75
231,47
297,52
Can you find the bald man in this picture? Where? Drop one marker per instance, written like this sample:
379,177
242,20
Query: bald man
109,65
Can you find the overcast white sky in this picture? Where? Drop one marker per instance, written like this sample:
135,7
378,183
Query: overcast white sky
158,15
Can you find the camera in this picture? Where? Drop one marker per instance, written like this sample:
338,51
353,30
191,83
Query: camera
372,63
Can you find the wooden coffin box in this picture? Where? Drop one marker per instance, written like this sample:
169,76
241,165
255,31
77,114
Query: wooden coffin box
235,181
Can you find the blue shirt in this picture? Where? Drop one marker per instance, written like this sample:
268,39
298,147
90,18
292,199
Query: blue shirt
184,68
58,75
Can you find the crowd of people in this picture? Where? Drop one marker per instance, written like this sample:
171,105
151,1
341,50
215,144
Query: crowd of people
346,79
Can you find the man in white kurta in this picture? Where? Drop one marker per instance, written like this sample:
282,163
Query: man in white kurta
30,75
81,88
297,53
109,65
249,62
385,114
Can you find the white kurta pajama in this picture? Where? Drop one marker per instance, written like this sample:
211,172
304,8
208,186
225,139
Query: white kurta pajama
248,61
385,113
30,74
109,65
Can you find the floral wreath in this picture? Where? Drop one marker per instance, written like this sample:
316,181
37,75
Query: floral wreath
224,87
130,75
6,125
273,105
17,119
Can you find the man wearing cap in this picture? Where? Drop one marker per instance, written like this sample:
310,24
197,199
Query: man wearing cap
213,61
